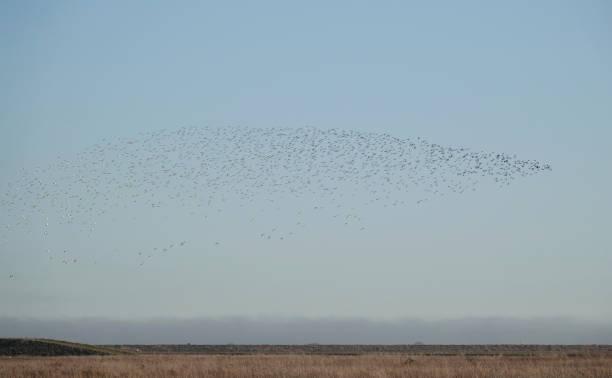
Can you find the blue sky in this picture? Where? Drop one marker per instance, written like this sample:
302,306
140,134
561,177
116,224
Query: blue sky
525,78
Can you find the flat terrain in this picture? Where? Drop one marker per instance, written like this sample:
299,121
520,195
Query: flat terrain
52,358
288,365
354,349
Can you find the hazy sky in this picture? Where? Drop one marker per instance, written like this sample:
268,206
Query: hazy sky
519,77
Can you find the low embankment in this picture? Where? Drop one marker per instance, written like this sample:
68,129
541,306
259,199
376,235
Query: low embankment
46,347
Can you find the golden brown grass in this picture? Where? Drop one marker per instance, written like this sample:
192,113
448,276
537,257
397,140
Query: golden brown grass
551,365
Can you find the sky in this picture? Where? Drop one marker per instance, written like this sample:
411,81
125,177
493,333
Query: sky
524,78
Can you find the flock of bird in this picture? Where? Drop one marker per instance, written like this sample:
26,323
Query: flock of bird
202,171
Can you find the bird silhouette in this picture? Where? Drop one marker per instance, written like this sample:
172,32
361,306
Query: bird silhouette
206,171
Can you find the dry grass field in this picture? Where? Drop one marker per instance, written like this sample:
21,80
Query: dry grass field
370,365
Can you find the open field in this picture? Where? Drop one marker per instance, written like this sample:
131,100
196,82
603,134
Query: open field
356,349
288,365
51,358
